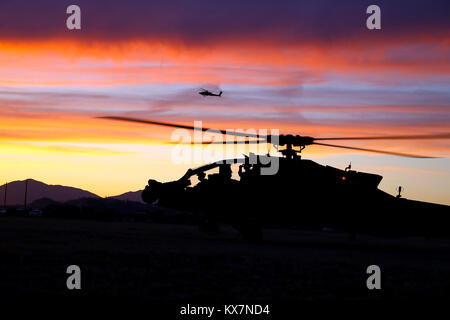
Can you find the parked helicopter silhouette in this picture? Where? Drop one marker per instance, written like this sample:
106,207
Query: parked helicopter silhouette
205,93
301,194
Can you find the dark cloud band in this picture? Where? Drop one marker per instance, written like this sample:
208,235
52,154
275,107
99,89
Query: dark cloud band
202,22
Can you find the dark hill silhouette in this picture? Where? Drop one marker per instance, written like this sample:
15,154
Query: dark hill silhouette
130,196
107,209
38,190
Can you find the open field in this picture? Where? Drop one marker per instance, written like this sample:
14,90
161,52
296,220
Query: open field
179,263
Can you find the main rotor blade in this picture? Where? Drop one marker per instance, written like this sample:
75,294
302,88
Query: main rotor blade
405,137
222,142
174,125
374,151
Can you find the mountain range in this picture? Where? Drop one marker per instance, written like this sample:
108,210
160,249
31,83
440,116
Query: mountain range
15,195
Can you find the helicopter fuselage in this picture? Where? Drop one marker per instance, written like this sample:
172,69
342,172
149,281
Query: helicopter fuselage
301,194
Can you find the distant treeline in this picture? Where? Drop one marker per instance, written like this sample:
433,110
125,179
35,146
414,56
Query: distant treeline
104,209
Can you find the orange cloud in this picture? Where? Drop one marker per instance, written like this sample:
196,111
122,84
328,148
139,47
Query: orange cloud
66,62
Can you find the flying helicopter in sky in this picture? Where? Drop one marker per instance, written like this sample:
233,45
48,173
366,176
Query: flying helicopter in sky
206,93
301,193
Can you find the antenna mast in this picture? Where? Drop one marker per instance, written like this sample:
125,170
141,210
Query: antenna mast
26,191
6,192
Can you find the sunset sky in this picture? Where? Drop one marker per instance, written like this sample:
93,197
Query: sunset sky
303,67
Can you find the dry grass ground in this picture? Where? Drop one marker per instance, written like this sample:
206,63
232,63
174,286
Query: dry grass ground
179,263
